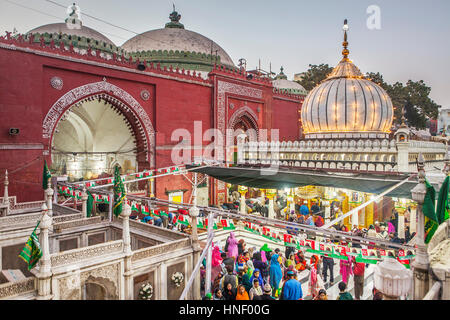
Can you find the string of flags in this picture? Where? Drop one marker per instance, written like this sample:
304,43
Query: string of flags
333,250
137,175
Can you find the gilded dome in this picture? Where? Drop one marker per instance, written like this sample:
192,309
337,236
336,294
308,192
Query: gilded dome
180,46
348,104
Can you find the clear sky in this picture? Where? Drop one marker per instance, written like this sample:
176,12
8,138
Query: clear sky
413,42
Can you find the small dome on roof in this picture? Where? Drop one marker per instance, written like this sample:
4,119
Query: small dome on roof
282,83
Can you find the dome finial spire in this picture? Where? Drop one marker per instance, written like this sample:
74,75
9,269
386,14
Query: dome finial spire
73,20
174,20
345,51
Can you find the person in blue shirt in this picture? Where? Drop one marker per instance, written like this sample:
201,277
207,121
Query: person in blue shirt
292,289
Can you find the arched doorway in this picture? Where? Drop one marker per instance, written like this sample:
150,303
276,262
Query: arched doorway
90,139
94,127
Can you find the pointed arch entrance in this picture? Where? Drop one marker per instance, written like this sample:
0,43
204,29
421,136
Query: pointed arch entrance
81,114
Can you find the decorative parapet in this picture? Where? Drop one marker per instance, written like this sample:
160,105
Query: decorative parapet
20,220
155,230
92,53
67,217
160,249
59,40
63,210
289,93
58,227
12,289
86,253
181,59
240,74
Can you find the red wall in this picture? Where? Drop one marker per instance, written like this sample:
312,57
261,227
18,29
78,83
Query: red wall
26,97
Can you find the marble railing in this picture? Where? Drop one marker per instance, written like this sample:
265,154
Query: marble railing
160,249
11,289
58,227
155,230
63,210
81,254
21,220
67,217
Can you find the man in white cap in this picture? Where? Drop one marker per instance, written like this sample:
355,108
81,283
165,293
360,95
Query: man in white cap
266,294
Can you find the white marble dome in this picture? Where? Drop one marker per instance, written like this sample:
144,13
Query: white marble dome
348,104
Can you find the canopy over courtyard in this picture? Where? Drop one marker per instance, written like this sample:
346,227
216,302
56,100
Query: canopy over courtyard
282,177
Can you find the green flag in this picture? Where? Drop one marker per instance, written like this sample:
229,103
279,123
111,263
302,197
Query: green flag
45,176
32,252
119,192
442,205
431,223
90,203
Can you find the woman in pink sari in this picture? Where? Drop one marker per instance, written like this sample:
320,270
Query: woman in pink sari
232,246
346,269
215,263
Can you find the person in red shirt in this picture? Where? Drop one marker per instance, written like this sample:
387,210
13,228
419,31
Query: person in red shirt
358,273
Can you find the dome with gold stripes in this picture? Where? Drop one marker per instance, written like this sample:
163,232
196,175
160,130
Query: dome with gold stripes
347,105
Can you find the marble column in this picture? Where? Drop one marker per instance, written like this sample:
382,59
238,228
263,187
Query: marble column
45,268
84,198
401,225
128,283
327,215
413,219
49,199
209,256
421,262
242,206
5,194
193,212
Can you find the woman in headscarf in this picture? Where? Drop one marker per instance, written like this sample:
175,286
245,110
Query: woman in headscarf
313,285
216,262
256,290
259,265
300,261
246,282
345,269
232,246
290,260
275,273
218,295
242,293
229,293
257,275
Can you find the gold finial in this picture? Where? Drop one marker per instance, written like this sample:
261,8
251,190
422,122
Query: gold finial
345,51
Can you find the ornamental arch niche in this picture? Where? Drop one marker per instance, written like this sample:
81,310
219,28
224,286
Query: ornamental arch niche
98,120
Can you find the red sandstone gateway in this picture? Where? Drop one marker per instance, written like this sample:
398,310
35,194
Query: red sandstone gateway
86,105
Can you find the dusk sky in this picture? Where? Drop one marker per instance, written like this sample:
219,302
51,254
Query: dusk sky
413,42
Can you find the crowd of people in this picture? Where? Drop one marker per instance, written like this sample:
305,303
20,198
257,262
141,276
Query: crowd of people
241,273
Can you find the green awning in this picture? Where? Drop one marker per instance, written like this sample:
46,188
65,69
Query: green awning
266,178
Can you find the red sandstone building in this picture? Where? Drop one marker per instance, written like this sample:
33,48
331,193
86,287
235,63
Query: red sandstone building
85,105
